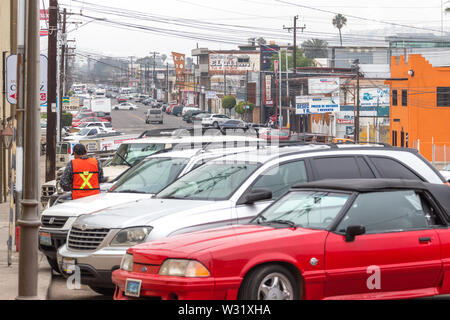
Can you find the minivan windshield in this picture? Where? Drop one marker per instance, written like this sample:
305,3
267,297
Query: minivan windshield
131,153
150,176
213,181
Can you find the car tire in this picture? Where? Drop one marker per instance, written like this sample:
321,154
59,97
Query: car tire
53,264
271,282
116,108
131,109
103,291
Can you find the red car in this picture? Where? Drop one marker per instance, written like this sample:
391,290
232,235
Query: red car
330,239
270,134
87,117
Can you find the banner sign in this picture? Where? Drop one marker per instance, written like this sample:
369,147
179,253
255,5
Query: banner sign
11,79
268,91
314,105
180,67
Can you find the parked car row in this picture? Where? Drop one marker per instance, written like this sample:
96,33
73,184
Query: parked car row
258,223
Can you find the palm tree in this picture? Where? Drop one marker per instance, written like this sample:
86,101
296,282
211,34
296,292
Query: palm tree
315,48
339,21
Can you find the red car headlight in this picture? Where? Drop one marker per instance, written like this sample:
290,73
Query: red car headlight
183,268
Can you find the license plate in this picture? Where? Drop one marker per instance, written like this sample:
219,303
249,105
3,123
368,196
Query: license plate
45,239
133,288
68,265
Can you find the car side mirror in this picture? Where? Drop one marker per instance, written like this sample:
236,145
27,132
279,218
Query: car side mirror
258,195
353,231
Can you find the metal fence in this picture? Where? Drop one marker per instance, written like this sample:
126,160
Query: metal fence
440,152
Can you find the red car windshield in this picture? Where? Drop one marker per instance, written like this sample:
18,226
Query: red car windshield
306,209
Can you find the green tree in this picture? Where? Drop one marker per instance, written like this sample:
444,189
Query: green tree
302,61
244,107
339,21
315,48
228,102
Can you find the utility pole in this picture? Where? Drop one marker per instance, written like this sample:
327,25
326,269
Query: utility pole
20,111
167,81
356,133
29,221
154,73
295,28
63,62
50,168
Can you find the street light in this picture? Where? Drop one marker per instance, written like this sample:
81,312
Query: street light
7,136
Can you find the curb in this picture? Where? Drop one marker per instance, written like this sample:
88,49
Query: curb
44,278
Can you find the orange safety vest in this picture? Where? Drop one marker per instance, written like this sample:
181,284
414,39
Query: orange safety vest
85,178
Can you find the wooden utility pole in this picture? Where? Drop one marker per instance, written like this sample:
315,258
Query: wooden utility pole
295,28
62,73
356,130
154,74
50,168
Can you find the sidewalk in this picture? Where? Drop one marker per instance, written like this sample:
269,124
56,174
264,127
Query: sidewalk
9,276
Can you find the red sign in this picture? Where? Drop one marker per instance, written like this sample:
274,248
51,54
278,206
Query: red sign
180,66
268,91
44,14
43,33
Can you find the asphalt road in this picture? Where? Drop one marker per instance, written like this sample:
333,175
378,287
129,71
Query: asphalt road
130,122
59,290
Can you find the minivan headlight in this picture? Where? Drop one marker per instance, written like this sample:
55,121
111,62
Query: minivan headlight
131,236
183,268
127,262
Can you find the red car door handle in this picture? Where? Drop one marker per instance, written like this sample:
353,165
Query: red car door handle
424,239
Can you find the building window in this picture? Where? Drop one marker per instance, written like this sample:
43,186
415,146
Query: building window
394,97
243,60
443,96
404,98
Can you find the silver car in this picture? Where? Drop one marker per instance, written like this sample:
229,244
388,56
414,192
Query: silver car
154,115
226,191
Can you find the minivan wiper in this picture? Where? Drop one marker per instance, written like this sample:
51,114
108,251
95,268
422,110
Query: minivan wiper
288,222
128,191
118,154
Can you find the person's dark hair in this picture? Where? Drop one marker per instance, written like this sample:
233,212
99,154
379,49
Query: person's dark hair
79,149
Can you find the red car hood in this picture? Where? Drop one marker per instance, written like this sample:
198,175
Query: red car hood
199,243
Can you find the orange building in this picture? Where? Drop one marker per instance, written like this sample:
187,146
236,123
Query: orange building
420,106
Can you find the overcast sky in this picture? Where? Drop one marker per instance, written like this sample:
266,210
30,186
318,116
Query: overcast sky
258,17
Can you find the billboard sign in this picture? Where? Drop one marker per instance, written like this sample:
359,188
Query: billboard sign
234,63
316,104
323,86
373,97
267,52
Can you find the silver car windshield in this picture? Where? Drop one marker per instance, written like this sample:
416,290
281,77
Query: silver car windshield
150,176
132,153
308,209
213,181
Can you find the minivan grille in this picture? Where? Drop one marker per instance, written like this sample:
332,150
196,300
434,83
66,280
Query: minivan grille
86,239
53,222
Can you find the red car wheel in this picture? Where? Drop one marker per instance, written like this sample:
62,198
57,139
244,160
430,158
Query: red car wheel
270,282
